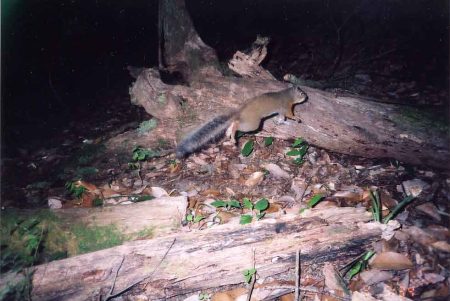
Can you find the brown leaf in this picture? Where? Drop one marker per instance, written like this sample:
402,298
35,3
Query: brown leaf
391,261
430,209
442,246
255,178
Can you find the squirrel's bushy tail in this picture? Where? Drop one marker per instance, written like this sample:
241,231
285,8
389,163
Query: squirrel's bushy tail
208,133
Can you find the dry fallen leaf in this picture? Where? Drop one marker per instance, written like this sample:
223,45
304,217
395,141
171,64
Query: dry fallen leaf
442,246
374,276
430,209
276,171
391,261
158,192
254,179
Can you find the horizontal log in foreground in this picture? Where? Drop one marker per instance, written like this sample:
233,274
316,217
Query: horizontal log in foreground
212,259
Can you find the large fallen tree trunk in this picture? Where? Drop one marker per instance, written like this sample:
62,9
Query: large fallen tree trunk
341,124
213,259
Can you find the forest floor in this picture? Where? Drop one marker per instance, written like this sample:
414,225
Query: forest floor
52,174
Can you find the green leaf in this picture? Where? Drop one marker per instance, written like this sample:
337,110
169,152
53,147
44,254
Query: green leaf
248,148
297,142
234,204
268,141
303,150
198,218
293,152
262,205
298,160
189,217
248,274
245,219
247,203
142,198
314,200
356,268
219,203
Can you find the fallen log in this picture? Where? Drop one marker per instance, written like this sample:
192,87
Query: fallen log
342,124
181,264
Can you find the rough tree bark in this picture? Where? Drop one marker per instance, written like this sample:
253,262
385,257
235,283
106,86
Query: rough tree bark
348,125
213,259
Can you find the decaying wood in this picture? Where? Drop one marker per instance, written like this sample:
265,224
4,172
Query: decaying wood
248,64
212,259
162,215
342,124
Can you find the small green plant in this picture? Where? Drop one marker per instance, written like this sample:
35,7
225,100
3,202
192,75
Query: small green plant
248,148
313,202
226,204
203,297
146,126
298,150
191,218
268,141
142,154
249,274
260,206
376,207
75,188
359,265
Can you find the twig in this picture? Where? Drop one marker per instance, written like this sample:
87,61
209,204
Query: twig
110,296
252,285
297,276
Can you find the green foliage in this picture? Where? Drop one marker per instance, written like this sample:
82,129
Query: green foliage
376,206
248,148
262,205
96,237
249,274
142,154
226,204
247,203
408,199
20,290
203,297
298,150
245,219
146,233
146,126
268,141
360,265
314,200
75,189
194,218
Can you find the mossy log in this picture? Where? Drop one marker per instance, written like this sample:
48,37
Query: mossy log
181,264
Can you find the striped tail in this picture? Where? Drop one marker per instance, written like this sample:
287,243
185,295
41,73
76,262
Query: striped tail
208,133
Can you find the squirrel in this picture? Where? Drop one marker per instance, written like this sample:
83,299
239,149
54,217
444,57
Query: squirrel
245,119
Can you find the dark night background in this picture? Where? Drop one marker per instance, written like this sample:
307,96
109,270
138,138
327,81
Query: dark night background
63,61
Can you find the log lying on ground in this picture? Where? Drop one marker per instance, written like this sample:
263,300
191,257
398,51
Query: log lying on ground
341,124
212,259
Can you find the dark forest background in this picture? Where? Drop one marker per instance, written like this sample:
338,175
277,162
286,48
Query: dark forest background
61,59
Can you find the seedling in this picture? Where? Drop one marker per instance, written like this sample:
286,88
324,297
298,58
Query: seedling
359,265
376,207
260,206
226,204
75,188
298,150
194,219
143,154
249,274
313,202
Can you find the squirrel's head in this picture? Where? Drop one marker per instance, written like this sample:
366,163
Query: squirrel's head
298,94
